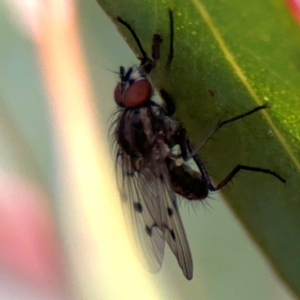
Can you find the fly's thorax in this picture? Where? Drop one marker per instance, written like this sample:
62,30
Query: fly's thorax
145,132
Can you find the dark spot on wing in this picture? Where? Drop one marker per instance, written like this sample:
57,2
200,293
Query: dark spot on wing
172,234
161,177
170,211
138,207
175,204
130,174
148,230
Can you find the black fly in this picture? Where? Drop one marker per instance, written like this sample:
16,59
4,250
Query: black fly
149,174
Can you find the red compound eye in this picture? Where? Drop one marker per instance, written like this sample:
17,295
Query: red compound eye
137,94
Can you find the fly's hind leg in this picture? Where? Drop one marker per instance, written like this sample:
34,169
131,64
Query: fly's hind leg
239,168
229,177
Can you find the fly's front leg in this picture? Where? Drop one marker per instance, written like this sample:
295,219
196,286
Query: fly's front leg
156,42
171,48
144,58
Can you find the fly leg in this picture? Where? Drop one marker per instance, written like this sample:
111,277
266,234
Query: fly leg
171,47
147,63
144,59
169,103
229,177
168,100
157,40
239,168
219,125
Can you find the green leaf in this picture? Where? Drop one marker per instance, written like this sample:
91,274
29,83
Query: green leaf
231,56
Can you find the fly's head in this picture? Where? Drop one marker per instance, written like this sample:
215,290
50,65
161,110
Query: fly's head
134,88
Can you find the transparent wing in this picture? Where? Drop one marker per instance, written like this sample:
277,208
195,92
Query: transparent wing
175,233
150,204
141,205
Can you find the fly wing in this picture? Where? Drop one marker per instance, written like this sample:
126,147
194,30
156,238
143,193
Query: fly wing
150,205
174,233
142,209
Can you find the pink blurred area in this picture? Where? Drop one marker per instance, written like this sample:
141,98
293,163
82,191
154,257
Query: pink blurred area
294,6
30,254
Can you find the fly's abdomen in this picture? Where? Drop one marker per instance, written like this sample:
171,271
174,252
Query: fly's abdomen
186,182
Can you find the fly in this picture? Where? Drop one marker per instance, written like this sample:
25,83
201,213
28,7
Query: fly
149,174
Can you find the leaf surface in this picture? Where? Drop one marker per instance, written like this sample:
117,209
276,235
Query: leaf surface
231,56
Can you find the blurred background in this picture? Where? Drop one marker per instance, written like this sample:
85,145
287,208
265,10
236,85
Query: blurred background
47,248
